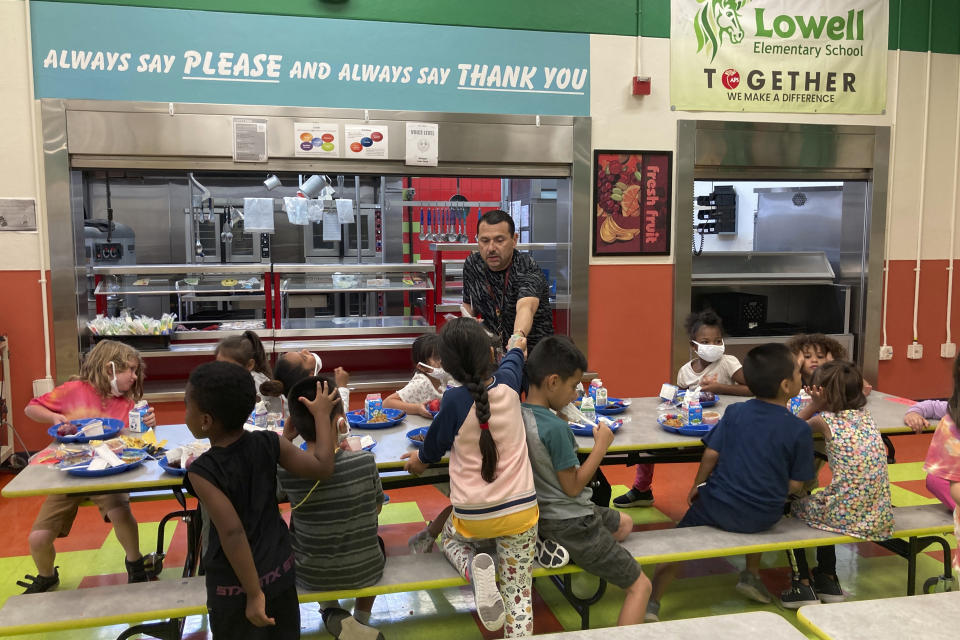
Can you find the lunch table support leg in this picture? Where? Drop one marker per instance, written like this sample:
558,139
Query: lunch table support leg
166,630
909,549
581,605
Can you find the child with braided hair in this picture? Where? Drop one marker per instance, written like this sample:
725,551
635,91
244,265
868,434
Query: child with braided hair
491,480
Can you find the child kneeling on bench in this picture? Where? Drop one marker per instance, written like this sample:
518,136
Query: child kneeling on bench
589,533
334,522
757,455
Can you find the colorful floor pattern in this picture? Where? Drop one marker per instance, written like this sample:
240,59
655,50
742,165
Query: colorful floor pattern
91,556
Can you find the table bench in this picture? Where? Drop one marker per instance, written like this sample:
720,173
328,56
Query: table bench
931,616
754,625
176,599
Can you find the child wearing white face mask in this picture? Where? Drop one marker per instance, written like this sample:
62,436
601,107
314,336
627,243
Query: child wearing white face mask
294,366
429,379
711,370
110,382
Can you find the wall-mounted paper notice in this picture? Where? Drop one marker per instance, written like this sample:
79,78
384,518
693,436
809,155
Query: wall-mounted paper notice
422,144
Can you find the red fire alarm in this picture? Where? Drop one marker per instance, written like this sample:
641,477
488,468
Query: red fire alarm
641,85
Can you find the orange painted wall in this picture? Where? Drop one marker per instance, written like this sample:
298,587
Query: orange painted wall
21,311
931,376
631,315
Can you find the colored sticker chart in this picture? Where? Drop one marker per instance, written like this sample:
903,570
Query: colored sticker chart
365,141
317,139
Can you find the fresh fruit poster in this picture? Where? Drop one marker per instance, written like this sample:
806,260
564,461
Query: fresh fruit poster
631,202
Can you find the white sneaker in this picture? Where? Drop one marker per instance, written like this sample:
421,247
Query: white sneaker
483,579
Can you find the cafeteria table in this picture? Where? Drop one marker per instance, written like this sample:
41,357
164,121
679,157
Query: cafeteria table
931,616
754,625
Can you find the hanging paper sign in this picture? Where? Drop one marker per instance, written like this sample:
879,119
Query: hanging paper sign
365,141
249,140
316,139
423,142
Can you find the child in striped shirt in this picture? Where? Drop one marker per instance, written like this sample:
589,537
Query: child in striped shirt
334,522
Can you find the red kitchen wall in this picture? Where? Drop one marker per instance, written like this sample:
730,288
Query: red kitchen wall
931,376
21,322
630,327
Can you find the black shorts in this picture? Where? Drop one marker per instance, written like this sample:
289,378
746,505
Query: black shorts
589,541
230,623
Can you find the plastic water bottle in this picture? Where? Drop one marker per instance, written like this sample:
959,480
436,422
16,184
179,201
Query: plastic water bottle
587,409
695,412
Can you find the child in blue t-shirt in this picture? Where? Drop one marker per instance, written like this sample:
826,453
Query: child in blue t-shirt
757,455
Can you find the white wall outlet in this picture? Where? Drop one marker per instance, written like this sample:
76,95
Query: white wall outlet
914,351
886,352
948,350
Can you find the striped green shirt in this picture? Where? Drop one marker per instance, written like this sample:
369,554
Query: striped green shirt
335,529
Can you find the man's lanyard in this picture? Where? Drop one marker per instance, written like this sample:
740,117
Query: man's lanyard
501,303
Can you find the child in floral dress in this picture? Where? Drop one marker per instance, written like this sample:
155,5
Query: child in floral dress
943,456
857,502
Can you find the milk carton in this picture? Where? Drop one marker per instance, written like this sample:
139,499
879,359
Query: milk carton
595,384
695,411
372,405
588,409
135,417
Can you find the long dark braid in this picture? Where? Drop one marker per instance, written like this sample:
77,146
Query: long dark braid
465,354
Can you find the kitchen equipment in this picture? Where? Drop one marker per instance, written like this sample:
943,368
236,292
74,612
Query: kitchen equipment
742,313
423,231
451,235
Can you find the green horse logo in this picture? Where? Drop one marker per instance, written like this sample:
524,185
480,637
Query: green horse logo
715,20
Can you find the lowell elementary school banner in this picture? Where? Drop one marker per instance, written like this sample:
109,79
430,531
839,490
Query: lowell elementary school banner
101,52
809,56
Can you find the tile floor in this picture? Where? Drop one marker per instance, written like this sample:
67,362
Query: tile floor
91,556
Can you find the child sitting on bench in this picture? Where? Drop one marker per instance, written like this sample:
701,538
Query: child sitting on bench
857,502
757,455
589,533
334,522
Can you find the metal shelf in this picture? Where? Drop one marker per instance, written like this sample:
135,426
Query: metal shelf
342,345
396,267
449,204
471,246
106,288
356,325
174,269
295,288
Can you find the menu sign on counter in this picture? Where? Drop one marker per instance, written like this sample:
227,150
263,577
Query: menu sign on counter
365,141
317,139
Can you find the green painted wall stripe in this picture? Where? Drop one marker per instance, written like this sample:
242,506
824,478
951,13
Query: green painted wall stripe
405,227
416,257
909,19
610,16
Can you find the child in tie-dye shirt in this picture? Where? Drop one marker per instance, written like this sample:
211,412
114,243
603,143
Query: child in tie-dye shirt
110,382
943,456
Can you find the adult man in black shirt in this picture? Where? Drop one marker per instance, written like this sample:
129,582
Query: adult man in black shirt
504,287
